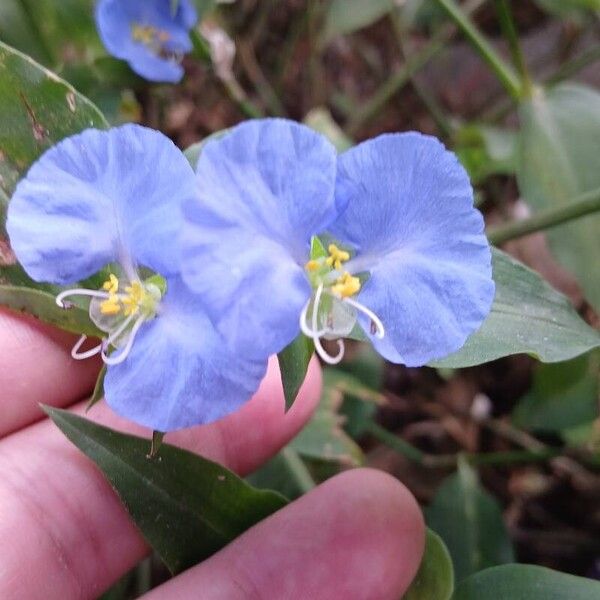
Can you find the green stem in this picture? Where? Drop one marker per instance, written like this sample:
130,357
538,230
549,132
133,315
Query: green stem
576,64
394,83
430,102
395,443
510,33
399,79
437,461
582,205
298,470
503,71
201,51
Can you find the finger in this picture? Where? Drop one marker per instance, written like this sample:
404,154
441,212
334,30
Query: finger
36,366
358,536
67,531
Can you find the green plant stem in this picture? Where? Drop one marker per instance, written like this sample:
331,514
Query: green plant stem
576,64
510,33
234,90
396,82
436,461
503,71
399,79
431,104
298,470
579,207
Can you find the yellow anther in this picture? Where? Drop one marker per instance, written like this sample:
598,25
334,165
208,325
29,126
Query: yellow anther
110,306
346,286
135,296
149,35
336,257
312,265
111,285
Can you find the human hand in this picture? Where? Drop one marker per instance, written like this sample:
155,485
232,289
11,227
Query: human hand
64,534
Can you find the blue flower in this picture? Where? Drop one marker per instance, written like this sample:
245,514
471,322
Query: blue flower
405,260
148,34
114,198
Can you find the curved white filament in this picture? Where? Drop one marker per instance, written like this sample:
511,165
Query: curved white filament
306,330
79,292
88,353
375,320
332,360
122,355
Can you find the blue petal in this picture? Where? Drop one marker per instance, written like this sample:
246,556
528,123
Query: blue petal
265,189
115,19
179,372
411,220
99,197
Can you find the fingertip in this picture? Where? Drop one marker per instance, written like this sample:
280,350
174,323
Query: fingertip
359,535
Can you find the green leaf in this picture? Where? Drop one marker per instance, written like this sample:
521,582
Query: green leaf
470,522
435,578
43,305
323,437
560,138
293,363
563,395
526,582
347,16
320,120
528,317
38,109
484,150
19,27
98,392
186,506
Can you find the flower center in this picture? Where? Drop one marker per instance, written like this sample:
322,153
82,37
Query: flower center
331,312
119,309
155,40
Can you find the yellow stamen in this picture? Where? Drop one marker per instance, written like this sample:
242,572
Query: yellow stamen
135,296
149,35
336,257
111,285
311,265
110,306
346,286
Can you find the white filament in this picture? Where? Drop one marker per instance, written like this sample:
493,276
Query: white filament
79,292
122,355
88,353
106,342
316,334
375,320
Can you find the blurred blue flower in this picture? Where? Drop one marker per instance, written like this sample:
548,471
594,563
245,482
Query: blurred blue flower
406,258
148,34
114,198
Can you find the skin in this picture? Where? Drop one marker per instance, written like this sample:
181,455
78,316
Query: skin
65,535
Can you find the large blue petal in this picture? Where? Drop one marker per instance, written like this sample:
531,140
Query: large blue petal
265,189
411,219
115,19
99,197
179,372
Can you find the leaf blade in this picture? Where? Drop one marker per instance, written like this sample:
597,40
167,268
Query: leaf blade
186,506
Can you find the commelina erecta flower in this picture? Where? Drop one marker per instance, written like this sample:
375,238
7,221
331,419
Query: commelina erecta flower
148,34
114,198
402,254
